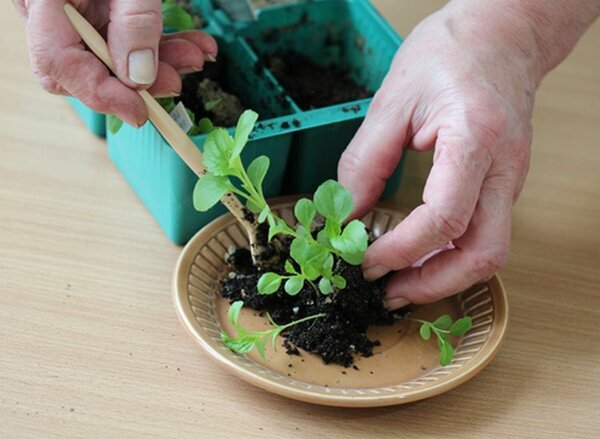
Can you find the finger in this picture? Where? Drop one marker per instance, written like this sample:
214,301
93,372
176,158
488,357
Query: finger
51,86
450,197
58,57
203,41
21,9
86,78
477,256
374,152
168,82
134,33
184,56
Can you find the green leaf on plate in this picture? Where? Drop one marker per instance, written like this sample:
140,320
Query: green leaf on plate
461,326
443,322
425,331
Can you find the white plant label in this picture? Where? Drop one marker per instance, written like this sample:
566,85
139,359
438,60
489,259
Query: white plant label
181,116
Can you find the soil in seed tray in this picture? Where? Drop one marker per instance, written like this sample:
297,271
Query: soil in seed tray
311,85
208,95
338,336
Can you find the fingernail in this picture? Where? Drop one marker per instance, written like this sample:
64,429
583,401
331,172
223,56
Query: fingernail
210,58
188,70
397,303
167,94
373,273
142,70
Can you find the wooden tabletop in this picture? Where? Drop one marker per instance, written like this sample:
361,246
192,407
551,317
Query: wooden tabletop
90,344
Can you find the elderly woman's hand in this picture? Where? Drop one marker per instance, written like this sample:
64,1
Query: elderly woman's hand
144,58
462,83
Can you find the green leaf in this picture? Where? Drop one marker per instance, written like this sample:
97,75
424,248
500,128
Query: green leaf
175,17
353,258
352,242
260,346
310,256
233,314
269,283
205,125
443,322
209,190
441,339
461,326
446,354
425,331
167,103
113,123
299,249
325,286
241,345
253,207
257,171
210,105
276,225
289,267
294,285
305,212
218,150
333,201
323,239
328,266
263,214
332,228
243,129
339,282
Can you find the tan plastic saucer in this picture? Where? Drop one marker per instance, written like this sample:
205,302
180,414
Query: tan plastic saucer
403,369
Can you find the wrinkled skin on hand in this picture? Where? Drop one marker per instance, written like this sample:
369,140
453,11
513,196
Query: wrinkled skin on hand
467,93
63,66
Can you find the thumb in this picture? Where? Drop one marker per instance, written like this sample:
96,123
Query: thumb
374,152
134,32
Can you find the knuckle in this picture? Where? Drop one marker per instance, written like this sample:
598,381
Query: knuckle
141,19
42,64
95,101
448,224
350,163
486,263
484,118
50,85
384,106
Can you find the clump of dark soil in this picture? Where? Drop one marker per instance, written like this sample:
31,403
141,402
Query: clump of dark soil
338,336
311,85
207,94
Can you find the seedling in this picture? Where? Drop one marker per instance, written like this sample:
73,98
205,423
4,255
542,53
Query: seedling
313,257
443,328
247,340
315,248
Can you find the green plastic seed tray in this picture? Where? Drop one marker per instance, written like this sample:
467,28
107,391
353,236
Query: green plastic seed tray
95,122
161,179
303,142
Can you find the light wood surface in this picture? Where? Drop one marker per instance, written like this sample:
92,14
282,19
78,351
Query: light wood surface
90,345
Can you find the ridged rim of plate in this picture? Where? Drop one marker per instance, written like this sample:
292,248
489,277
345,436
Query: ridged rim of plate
473,353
